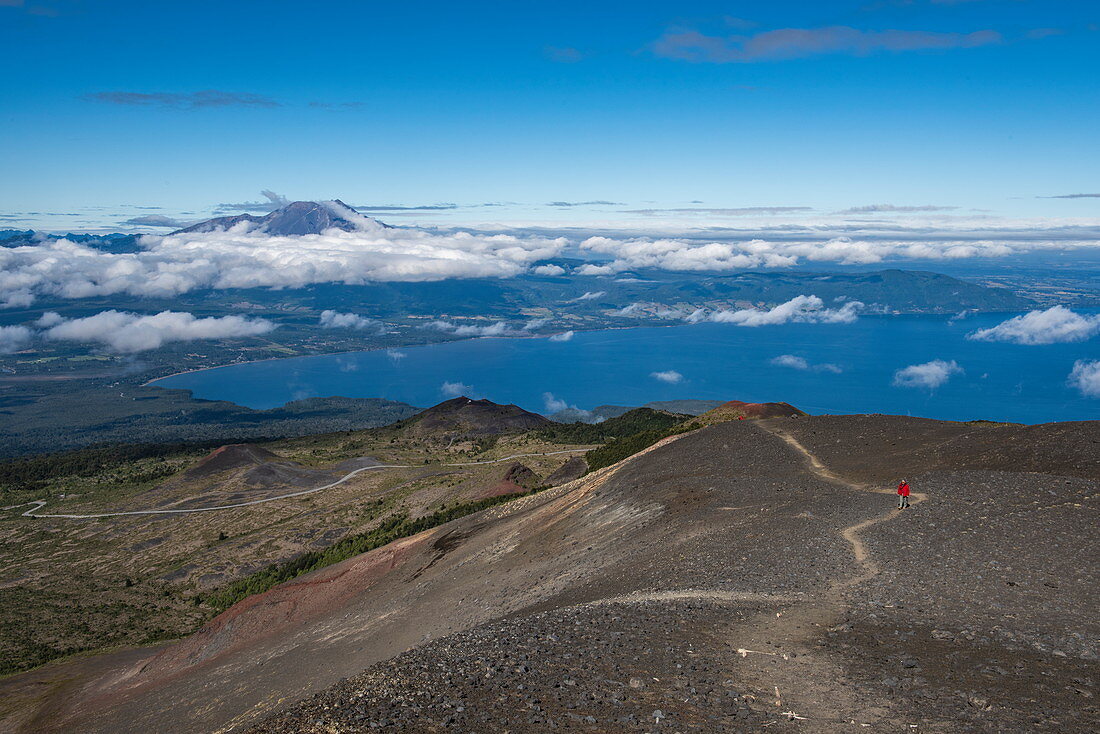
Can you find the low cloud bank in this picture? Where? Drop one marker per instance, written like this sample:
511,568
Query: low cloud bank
928,375
1056,325
562,337
496,329
14,338
800,363
336,320
800,309
244,258
125,332
1086,377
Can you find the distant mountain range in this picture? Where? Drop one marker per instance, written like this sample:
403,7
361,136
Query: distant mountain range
295,219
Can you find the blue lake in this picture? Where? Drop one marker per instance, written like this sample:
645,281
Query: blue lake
716,361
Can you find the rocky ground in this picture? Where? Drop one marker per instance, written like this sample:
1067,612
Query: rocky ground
739,578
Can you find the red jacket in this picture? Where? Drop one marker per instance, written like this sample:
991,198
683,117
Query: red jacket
903,489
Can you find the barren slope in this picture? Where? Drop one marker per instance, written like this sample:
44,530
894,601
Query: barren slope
731,578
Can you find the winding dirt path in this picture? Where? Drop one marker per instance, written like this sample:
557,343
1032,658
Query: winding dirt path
789,667
869,567
39,504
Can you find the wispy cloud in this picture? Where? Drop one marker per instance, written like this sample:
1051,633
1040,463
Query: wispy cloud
414,208
1071,196
563,54
796,43
723,212
155,220
120,331
928,375
588,296
1037,33
562,337
337,106
185,100
274,201
801,363
584,203
893,208
1055,325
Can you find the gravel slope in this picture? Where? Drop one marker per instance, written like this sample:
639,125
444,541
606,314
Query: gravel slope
711,584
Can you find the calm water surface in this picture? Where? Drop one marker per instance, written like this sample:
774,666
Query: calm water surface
717,361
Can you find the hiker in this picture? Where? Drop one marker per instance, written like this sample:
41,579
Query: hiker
903,495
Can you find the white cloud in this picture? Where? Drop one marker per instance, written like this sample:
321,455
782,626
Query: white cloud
630,310
589,296
243,258
396,355
456,389
562,337
800,363
802,309
552,404
496,329
48,319
16,298
590,269
535,324
14,338
928,375
336,320
789,360
699,314
120,331
1055,325
680,255
1086,377
555,405
672,377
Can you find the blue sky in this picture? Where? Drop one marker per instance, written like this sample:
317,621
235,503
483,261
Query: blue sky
109,107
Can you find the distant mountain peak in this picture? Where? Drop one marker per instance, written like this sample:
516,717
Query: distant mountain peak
295,219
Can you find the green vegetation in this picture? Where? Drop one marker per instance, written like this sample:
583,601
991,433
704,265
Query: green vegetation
38,625
118,465
393,528
621,437
623,448
628,424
